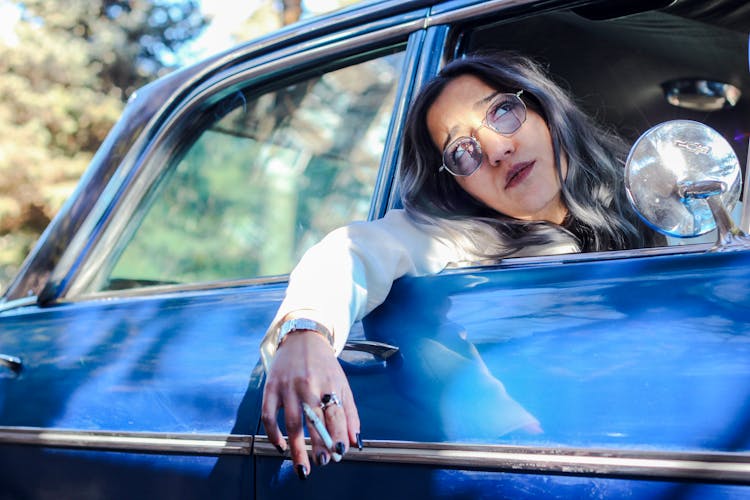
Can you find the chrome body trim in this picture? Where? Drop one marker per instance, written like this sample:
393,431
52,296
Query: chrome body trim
138,442
634,464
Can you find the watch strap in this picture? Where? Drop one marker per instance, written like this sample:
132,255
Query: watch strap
297,324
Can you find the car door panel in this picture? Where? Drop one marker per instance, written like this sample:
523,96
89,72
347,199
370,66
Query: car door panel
620,378
129,396
626,353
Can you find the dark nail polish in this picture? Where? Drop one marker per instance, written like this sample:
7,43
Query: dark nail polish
279,449
301,471
340,448
359,442
322,458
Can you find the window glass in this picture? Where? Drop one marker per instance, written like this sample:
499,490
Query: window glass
266,176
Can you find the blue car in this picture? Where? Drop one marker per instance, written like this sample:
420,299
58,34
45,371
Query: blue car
129,361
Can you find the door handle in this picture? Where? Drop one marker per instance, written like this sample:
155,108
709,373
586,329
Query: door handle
379,350
12,362
367,355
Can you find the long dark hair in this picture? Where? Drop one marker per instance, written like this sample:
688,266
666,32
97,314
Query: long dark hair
599,215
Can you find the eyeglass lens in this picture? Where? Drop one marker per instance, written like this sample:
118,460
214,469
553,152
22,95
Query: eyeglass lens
505,116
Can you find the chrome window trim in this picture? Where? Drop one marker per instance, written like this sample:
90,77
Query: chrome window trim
712,467
384,186
571,258
171,290
427,65
511,262
139,442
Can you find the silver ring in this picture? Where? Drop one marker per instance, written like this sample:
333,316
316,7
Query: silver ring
328,400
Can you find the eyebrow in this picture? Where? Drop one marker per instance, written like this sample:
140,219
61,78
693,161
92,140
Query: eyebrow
481,103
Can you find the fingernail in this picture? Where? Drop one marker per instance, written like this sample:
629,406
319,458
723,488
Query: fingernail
301,471
322,458
340,448
336,457
359,442
280,449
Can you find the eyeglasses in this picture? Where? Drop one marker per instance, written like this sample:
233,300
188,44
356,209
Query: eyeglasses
505,115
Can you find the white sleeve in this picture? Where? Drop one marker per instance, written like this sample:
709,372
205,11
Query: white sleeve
350,272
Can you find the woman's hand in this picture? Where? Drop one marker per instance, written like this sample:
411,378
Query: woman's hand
305,370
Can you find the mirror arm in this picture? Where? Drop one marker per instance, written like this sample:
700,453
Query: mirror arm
745,221
729,237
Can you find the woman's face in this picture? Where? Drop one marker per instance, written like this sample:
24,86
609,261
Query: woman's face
517,175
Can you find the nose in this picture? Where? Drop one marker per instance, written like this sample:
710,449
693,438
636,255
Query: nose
496,146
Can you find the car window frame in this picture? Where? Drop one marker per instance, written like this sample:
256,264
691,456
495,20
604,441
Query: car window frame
90,247
441,32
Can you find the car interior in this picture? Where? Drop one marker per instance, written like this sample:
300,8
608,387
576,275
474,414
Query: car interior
635,66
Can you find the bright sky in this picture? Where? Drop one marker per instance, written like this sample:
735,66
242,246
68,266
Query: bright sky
9,15
228,15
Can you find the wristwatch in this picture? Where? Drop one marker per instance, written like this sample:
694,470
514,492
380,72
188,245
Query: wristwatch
293,325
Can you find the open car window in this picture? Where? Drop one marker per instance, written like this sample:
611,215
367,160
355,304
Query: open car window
622,67
258,177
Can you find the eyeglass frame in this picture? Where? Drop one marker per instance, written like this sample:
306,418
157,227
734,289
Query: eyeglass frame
484,123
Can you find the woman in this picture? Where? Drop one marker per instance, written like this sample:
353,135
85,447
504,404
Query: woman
498,161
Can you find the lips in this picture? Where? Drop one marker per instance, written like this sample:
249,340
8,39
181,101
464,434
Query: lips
518,173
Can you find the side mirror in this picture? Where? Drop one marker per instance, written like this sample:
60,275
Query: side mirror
683,178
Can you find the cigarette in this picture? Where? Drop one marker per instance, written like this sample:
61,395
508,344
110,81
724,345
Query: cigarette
319,426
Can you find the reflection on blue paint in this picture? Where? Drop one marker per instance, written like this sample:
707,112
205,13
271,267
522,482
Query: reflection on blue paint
651,353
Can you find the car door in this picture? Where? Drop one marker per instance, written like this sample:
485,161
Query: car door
135,373
602,375
564,378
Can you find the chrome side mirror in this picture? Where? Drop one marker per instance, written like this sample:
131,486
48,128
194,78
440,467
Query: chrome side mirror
683,178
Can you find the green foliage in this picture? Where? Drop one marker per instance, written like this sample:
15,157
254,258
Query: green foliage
63,84
267,176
